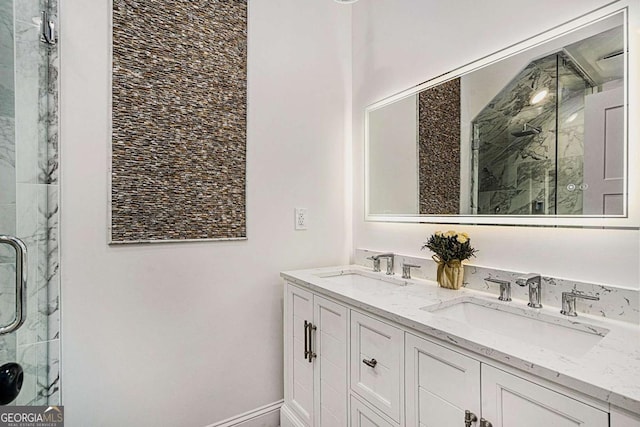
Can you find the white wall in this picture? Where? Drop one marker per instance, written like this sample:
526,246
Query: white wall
398,44
189,334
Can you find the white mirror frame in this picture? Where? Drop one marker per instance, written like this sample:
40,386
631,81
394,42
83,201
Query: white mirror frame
631,13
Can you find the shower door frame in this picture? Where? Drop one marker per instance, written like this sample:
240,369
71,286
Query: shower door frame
32,159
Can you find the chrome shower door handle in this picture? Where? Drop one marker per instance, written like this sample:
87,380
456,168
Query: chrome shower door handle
21,283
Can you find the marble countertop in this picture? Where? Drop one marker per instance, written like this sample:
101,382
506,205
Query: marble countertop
610,371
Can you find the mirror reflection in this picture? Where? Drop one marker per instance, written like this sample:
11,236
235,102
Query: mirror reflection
538,133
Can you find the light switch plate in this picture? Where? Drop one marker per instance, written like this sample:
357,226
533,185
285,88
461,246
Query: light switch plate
301,218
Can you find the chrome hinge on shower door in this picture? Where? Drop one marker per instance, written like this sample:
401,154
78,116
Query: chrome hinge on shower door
47,29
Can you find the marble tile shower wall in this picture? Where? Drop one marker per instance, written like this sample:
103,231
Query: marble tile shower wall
29,196
7,175
615,303
515,171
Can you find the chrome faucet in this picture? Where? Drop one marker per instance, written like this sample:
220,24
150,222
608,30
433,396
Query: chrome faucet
376,262
569,302
406,270
505,288
534,281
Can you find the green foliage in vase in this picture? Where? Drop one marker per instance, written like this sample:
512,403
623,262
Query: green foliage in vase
450,246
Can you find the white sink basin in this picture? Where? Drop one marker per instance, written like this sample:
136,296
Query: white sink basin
556,333
359,278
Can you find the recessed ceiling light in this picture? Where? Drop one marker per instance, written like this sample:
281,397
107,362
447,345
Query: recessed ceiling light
345,1
539,96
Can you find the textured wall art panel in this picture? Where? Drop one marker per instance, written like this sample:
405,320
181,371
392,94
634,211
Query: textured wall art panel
179,120
439,148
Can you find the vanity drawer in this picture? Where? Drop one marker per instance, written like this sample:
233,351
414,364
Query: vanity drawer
377,363
363,416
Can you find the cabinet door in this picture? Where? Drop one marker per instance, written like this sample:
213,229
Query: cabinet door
510,401
299,308
376,363
620,418
362,416
441,384
330,344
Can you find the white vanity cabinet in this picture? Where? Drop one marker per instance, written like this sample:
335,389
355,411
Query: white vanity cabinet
363,416
377,364
347,367
442,384
508,400
316,354
620,418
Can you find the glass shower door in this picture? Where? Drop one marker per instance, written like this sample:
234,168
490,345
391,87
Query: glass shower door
28,207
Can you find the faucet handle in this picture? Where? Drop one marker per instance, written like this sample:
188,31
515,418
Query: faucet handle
575,294
526,279
534,281
406,270
505,288
376,263
569,302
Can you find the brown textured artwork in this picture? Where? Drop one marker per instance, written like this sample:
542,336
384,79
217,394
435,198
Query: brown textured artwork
439,148
179,120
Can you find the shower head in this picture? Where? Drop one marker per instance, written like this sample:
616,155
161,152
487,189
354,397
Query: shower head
527,130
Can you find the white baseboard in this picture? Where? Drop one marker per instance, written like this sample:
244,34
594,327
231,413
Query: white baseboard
288,419
264,416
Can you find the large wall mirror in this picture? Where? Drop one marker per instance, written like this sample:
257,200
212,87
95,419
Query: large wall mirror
536,134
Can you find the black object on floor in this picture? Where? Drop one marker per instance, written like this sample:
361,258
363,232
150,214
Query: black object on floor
11,377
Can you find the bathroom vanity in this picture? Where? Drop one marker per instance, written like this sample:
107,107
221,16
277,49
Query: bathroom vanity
514,138
371,349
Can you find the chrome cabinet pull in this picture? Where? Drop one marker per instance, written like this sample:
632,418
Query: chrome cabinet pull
370,363
21,283
311,354
485,423
469,417
306,339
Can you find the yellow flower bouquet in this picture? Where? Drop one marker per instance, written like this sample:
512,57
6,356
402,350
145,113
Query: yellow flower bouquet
450,248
